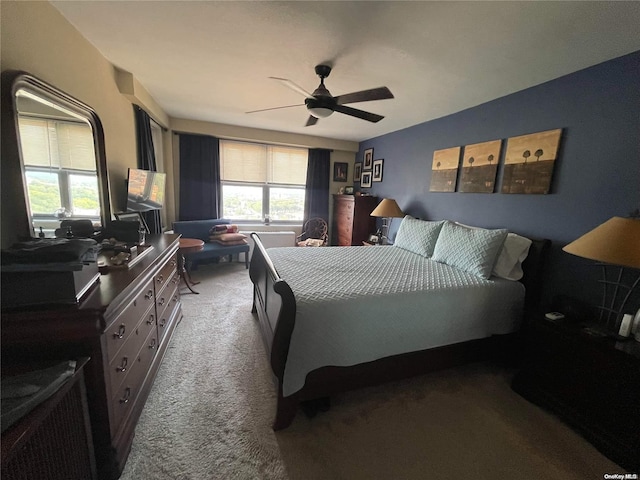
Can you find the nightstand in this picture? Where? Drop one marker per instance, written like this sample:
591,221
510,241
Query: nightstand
590,381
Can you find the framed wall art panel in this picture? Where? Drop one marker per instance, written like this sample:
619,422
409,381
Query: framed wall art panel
529,161
479,167
444,170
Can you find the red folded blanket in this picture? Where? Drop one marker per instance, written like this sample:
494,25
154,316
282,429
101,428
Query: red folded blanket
223,228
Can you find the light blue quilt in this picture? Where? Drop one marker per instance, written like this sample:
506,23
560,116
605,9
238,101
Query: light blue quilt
358,304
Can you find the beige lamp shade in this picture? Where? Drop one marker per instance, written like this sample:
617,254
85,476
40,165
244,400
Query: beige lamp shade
387,208
616,241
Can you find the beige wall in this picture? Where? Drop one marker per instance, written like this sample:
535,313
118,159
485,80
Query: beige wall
37,39
342,150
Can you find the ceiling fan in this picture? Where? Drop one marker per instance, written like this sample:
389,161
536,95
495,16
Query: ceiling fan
321,103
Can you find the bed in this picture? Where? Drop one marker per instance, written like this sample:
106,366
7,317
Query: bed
337,318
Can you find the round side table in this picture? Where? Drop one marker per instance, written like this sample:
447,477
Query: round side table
188,245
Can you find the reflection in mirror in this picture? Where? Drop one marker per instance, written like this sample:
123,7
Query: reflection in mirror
61,156
59,163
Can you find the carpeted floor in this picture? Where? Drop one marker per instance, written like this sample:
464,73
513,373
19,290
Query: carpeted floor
209,415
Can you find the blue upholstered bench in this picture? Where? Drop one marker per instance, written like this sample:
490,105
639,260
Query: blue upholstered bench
212,250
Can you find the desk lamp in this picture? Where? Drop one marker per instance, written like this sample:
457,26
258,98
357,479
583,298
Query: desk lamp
615,243
386,209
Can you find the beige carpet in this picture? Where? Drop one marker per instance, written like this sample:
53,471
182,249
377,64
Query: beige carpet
210,411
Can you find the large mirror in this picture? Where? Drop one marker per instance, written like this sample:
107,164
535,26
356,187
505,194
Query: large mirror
53,161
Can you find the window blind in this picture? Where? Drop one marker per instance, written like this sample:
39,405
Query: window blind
258,163
56,144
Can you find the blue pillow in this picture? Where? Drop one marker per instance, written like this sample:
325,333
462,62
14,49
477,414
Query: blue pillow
417,236
474,250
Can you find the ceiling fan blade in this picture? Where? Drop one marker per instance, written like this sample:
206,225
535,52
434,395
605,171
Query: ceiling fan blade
354,112
311,121
276,108
380,93
293,86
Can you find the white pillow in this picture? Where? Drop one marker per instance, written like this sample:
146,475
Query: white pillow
417,236
513,253
474,250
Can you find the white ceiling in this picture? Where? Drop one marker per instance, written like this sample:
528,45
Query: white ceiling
210,61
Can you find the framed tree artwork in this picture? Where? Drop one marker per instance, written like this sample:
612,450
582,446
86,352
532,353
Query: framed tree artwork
377,170
479,167
444,170
529,161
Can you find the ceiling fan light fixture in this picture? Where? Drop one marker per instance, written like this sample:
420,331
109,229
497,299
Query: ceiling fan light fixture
320,112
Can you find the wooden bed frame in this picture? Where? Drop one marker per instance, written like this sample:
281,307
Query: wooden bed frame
273,299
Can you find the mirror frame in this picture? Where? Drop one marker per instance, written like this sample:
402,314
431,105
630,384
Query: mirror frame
16,213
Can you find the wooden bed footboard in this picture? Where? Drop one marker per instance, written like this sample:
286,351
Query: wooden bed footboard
275,306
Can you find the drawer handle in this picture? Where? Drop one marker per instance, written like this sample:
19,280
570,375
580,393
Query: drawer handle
160,278
149,294
175,297
161,302
123,365
175,279
162,322
173,262
152,345
121,331
127,395
151,320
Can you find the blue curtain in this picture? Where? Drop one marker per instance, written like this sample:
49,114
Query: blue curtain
200,190
147,161
316,202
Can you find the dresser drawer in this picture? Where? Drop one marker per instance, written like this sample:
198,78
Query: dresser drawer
129,390
166,273
173,298
119,331
163,297
120,365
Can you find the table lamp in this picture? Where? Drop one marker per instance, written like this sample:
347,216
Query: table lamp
386,209
615,243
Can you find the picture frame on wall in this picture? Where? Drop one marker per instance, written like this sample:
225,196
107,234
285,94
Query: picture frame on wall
377,170
444,170
529,161
365,180
479,167
368,159
357,171
340,171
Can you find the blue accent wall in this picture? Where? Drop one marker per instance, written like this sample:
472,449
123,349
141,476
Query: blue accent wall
596,175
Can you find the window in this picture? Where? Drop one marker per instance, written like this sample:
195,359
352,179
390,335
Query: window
60,169
262,182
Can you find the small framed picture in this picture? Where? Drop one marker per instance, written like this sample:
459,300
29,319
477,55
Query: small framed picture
340,170
132,217
365,181
377,170
368,159
357,171
348,190
374,239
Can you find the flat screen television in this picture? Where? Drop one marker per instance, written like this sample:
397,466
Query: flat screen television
145,190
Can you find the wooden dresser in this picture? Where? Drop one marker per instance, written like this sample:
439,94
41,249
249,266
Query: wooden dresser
124,325
352,222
